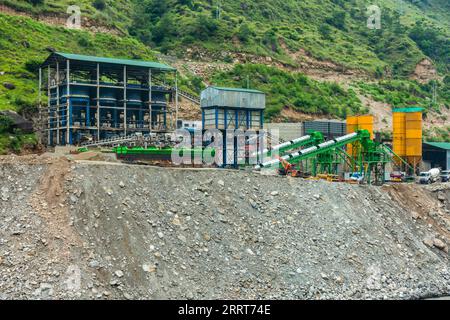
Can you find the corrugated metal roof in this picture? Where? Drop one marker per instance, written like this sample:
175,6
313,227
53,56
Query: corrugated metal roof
408,110
232,98
440,145
237,89
127,62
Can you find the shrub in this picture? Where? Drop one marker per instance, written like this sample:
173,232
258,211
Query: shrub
33,66
325,31
36,2
245,33
6,124
99,4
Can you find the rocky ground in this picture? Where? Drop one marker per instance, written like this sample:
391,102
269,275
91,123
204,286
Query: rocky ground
96,230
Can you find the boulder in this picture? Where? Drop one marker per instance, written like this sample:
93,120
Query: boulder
9,85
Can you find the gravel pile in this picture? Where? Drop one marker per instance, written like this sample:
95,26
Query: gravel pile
105,231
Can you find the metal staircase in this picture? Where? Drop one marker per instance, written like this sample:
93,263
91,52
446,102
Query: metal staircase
186,95
190,97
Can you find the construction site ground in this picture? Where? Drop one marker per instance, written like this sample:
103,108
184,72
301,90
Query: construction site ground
75,228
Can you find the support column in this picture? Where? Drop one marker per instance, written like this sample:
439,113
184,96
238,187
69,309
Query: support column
203,120
58,106
98,102
262,119
49,113
125,100
176,97
68,105
41,123
150,98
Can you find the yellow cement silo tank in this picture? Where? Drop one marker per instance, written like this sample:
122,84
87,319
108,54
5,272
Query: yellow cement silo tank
355,123
407,134
414,137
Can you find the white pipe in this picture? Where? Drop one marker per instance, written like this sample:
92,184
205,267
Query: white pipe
286,144
308,150
327,144
282,145
348,136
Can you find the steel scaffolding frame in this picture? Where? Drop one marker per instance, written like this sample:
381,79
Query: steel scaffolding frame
76,105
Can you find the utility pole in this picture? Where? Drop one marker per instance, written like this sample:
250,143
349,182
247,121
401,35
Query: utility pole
434,99
218,8
400,7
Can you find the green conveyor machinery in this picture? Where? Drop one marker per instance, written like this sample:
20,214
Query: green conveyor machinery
321,148
312,139
154,153
371,156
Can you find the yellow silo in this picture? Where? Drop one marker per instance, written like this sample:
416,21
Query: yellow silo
407,134
352,126
355,123
399,133
366,123
414,138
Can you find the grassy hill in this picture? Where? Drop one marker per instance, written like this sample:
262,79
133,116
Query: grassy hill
327,30
24,44
333,30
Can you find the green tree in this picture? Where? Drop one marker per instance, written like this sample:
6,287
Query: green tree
99,4
5,124
337,20
205,27
164,29
245,32
36,2
325,31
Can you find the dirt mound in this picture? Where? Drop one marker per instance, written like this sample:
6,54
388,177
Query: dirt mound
97,230
425,72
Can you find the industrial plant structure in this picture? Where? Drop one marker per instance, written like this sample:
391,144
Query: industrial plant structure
97,98
231,109
329,128
103,100
437,154
355,123
407,135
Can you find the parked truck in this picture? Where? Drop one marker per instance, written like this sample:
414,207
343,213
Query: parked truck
429,177
445,176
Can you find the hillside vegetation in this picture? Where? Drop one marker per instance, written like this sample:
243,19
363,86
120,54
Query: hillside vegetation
329,29
293,90
288,31
334,30
25,44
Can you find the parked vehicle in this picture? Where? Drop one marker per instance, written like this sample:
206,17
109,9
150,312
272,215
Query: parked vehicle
429,177
357,177
397,176
445,176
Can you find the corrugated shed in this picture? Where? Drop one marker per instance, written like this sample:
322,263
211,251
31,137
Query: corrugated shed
440,145
233,98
